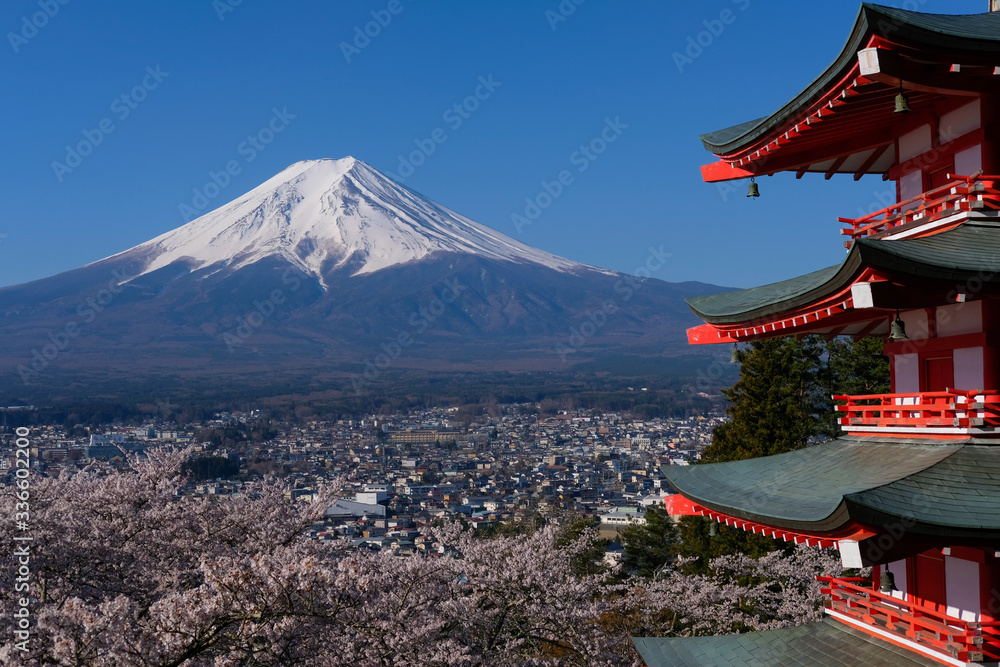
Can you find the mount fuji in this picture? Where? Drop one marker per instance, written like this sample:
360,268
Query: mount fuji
330,274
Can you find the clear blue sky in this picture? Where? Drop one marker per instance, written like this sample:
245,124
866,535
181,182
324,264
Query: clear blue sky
210,74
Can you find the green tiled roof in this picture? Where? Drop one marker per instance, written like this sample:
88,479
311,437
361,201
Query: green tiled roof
973,32
806,489
964,30
714,307
827,643
959,492
971,250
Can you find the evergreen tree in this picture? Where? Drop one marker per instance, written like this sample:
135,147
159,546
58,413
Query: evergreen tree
649,546
856,368
697,541
778,403
781,400
578,535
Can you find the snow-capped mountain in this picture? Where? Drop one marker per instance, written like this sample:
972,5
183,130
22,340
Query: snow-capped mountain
325,275
320,215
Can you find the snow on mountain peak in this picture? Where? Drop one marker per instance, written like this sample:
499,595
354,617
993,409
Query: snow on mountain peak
320,214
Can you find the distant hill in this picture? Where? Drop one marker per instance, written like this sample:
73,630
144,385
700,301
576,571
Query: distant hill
329,270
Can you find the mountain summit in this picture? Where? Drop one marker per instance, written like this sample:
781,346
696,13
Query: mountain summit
329,276
323,215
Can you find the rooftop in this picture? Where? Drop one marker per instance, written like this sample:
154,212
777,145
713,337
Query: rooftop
943,487
914,48
823,644
967,252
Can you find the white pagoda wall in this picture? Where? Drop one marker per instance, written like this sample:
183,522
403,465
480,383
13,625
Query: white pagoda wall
961,585
952,320
924,142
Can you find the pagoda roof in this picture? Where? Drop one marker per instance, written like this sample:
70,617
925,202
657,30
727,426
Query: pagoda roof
826,643
941,487
971,250
811,131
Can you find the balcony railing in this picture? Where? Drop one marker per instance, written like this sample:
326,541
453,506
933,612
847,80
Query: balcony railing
910,621
969,412
963,193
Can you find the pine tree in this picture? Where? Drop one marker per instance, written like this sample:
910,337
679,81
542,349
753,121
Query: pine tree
697,541
649,546
778,403
586,550
856,368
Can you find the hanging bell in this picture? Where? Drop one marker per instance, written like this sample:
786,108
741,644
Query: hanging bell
735,358
888,582
897,331
902,104
754,191
713,529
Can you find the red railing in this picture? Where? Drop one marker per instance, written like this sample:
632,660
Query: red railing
969,641
950,409
963,193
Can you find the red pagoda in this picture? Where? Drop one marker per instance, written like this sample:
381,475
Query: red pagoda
912,487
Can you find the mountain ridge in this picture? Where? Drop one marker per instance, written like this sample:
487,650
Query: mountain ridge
314,274
324,214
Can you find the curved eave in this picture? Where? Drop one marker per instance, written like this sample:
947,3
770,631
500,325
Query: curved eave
970,251
924,531
958,497
809,490
967,33
739,137
766,302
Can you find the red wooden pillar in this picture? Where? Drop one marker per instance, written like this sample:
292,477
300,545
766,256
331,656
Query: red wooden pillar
928,585
991,133
990,586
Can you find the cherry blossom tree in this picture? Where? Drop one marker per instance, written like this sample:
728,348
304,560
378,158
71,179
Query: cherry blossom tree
126,571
